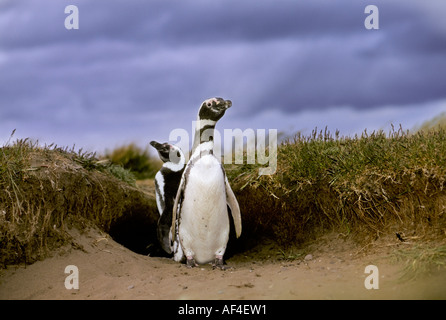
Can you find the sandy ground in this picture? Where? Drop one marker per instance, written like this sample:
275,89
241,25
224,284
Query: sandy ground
107,270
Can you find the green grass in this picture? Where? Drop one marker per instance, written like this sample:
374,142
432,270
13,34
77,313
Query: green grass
46,189
289,255
421,259
136,160
358,185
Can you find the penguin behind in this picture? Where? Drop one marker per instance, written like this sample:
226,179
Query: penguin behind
167,180
204,194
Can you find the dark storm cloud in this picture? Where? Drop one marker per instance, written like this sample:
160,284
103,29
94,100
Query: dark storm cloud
178,22
397,65
133,60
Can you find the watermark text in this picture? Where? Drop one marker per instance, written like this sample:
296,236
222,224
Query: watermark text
259,146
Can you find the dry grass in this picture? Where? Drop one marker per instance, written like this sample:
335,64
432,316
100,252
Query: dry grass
362,186
44,190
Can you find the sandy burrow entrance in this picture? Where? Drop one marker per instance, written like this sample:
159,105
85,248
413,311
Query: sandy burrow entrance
107,270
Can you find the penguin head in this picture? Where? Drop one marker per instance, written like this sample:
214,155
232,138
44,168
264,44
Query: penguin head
213,109
167,152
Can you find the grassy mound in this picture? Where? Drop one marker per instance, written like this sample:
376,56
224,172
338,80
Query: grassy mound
45,190
439,122
365,186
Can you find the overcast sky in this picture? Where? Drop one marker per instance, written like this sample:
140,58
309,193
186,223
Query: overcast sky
137,69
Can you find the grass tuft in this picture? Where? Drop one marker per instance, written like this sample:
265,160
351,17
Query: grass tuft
136,160
421,259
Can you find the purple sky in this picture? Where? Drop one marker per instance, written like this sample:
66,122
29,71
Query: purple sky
137,69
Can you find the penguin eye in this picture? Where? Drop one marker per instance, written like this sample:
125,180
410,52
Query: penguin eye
209,104
178,154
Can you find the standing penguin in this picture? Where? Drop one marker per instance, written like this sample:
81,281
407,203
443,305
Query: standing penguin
200,212
167,181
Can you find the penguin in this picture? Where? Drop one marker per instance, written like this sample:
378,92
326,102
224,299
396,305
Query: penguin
167,180
200,211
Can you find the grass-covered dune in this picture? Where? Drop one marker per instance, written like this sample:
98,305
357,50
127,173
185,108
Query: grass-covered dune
363,186
44,191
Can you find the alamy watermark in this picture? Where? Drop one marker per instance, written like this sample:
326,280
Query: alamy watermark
372,280
255,147
72,280
72,20
372,20
236,143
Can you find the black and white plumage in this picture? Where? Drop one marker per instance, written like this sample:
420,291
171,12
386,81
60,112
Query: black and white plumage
167,180
200,212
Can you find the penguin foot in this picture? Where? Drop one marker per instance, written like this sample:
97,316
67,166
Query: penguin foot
190,262
218,263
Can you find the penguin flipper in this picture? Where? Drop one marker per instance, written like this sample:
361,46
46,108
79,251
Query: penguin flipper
235,209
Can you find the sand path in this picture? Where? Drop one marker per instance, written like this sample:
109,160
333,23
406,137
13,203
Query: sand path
107,270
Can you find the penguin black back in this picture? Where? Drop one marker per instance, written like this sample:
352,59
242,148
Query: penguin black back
167,181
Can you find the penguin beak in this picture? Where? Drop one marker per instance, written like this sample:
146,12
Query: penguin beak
224,104
228,104
155,144
161,147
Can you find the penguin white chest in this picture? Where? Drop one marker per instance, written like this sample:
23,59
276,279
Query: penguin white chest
204,226
159,194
